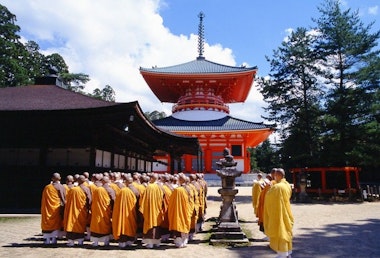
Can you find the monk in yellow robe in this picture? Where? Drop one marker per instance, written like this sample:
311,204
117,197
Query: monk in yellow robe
78,203
180,212
256,190
101,213
124,217
278,216
151,203
52,207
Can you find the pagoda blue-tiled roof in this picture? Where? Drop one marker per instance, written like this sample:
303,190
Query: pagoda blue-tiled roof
227,123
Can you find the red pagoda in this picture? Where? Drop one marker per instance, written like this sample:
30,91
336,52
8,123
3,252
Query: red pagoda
200,91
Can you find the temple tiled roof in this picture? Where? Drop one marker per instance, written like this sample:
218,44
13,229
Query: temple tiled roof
198,66
227,123
46,97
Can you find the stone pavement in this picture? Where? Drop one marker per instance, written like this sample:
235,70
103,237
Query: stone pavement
321,230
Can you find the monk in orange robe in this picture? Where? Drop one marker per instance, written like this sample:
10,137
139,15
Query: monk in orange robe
265,185
168,188
196,193
78,202
124,217
202,201
278,216
180,212
101,213
151,203
52,207
141,188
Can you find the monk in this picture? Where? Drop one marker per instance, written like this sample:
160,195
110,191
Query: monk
52,206
196,195
265,185
101,213
69,183
78,203
124,217
151,203
278,216
168,188
202,201
180,212
256,190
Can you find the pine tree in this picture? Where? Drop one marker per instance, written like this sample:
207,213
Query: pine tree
293,95
347,52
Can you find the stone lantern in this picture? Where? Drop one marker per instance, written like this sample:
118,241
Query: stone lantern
228,230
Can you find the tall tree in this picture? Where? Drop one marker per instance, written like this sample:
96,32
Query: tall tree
293,93
347,52
12,51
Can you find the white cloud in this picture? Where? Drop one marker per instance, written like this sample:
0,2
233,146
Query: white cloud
110,40
373,10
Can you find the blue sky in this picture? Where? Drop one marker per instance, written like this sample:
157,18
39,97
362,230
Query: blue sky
110,40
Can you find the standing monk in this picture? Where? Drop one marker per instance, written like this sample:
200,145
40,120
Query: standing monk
180,212
52,208
78,203
124,217
151,204
278,216
256,190
168,188
101,213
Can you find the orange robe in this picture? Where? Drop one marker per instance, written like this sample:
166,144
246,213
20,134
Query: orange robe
124,217
76,211
180,210
165,222
195,211
101,213
51,218
151,202
278,217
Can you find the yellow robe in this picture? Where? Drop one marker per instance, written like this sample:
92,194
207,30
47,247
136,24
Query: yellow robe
124,217
256,190
278,216
76,213
101,212
180,210
50,210
151,203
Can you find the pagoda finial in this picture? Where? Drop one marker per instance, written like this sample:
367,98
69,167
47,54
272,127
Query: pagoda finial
201,15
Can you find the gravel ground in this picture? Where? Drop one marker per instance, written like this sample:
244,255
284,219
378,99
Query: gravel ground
320,230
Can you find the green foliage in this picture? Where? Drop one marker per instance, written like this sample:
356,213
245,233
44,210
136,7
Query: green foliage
20,64
107,94
323,91
154,115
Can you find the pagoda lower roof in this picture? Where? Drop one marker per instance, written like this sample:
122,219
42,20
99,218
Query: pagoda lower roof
227,123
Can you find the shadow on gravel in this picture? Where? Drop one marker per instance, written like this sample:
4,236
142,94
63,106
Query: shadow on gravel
360,239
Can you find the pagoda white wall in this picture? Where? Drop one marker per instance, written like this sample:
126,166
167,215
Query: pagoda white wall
199,115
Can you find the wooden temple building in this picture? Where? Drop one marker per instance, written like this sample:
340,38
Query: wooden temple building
200,91
46,128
